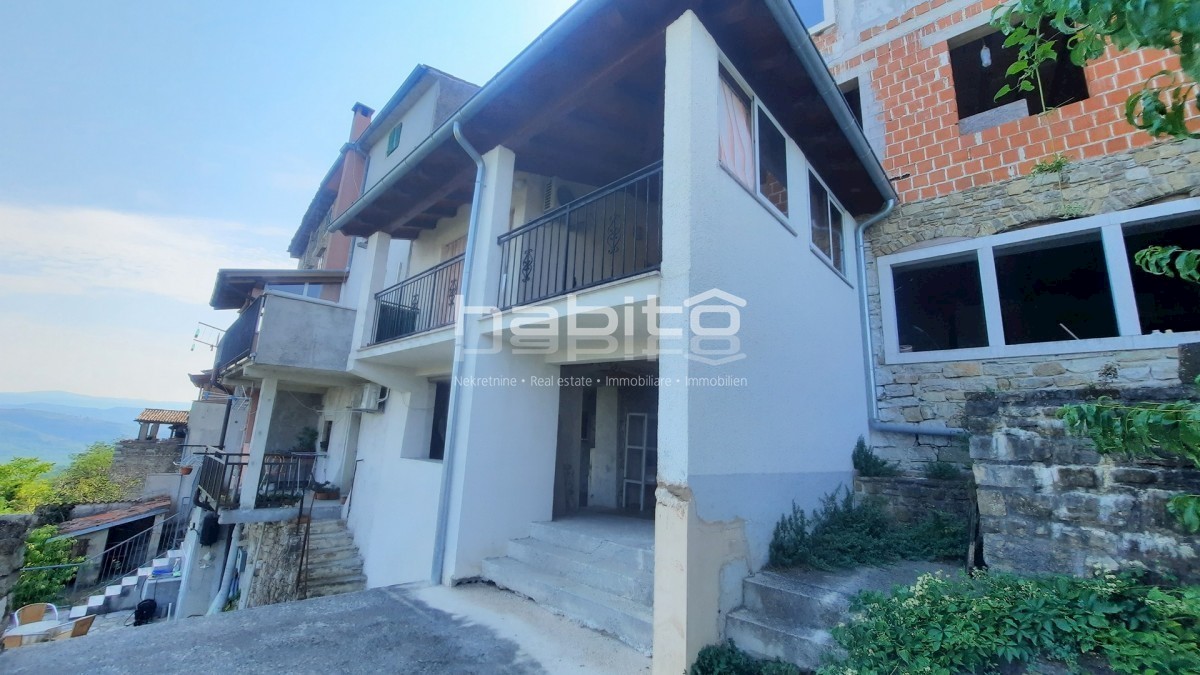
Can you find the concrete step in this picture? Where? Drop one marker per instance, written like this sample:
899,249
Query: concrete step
323,526
317,573
633,549
336,586
325,539
319,555
78,612
613,575
629,621
773,638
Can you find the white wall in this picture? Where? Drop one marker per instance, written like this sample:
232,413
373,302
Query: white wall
787,434
418,124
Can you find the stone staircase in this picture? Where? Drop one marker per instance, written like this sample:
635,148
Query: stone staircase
334,564
787,615
595,569
125,593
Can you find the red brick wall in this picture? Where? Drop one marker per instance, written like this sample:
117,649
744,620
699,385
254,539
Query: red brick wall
914,89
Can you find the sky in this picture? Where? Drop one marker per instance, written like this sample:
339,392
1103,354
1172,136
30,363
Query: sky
145,144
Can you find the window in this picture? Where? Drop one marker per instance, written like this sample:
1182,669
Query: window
326,434
1062,288
827,224
1164,304
736,143
441,417
772,163
939,304
853,97
1055,290
752,150
394,138
980,67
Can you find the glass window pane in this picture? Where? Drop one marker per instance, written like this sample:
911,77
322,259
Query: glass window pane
939,305
836,252
1054,291
1164,303
736,140
294,289
818,202
772,163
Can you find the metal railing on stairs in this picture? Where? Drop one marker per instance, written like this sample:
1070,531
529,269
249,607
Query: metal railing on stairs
304,520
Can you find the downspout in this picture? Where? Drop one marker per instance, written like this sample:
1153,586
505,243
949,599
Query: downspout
864,316
218,601
443,516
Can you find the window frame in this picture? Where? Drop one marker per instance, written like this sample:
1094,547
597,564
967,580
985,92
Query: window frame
726,72
1111,228
847,242
393,140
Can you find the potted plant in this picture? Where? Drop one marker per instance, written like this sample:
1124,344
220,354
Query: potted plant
306,440
185,469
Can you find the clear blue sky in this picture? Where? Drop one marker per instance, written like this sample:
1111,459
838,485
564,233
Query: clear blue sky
144,145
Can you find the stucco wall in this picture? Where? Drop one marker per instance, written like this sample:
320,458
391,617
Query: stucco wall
418,124
205,421
293,412
304,334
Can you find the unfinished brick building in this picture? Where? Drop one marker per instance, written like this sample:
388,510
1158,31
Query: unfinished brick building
1005,275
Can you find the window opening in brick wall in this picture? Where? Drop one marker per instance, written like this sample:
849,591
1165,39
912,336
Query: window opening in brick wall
853,95
1055,290
939,305
1165,304
979,69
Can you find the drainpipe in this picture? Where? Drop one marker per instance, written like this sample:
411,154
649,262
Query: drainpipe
443,517
873,421
218,602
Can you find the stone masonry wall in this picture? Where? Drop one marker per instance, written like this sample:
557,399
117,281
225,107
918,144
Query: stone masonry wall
911,498
1050,503
935,392
13,530
134,459
275,552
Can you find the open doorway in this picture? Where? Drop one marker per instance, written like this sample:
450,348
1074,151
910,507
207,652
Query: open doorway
607,459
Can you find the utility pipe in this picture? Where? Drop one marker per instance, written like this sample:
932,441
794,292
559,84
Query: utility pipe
443,516
218,601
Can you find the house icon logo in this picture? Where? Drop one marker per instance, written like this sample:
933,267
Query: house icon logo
714,319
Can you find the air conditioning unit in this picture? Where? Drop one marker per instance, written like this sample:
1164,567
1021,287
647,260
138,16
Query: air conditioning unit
372,398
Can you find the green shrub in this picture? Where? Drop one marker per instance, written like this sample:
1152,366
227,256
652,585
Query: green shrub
942,471
45,585
868,464
976,623
843,533
727,659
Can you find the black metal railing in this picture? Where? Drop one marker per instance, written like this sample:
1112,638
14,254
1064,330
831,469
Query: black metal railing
419,304
221,479
612,233
238,342
284,479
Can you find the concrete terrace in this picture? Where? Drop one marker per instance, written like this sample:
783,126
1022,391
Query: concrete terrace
399,629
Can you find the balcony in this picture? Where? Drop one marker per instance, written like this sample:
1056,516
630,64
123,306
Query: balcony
419,304
289,331
608,235
284,479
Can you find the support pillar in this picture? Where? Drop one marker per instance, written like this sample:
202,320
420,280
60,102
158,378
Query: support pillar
258,442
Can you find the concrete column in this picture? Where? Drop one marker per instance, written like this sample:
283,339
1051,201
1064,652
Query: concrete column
364,318
155,537
685,589
604,475
258,441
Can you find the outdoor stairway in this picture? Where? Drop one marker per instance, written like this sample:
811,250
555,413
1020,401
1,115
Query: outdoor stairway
788,615
595,569
126,592
334,564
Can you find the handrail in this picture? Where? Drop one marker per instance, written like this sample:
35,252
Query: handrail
429,272
592,196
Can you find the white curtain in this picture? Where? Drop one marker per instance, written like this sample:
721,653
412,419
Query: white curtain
736,137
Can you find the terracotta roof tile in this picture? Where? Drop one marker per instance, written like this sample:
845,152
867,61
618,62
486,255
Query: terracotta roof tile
98,520
163,416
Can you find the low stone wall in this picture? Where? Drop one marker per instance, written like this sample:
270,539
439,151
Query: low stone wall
134,459
13,530
910,498
275,551
1049,503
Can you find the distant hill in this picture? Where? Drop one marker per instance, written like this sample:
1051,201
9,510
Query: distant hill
55,425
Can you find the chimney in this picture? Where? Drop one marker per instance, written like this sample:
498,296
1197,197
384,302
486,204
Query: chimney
362,118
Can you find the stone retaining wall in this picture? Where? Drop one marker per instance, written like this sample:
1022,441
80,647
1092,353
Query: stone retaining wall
911,498
275,548
133,460
1050,503
13,531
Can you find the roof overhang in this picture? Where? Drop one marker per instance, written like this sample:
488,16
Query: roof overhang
590,45
234,286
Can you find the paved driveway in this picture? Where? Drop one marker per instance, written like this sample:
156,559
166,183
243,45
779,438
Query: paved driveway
384,630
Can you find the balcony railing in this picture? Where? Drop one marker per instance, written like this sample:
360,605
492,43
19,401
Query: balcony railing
422,303
610,234
238,341
284,479
221,479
